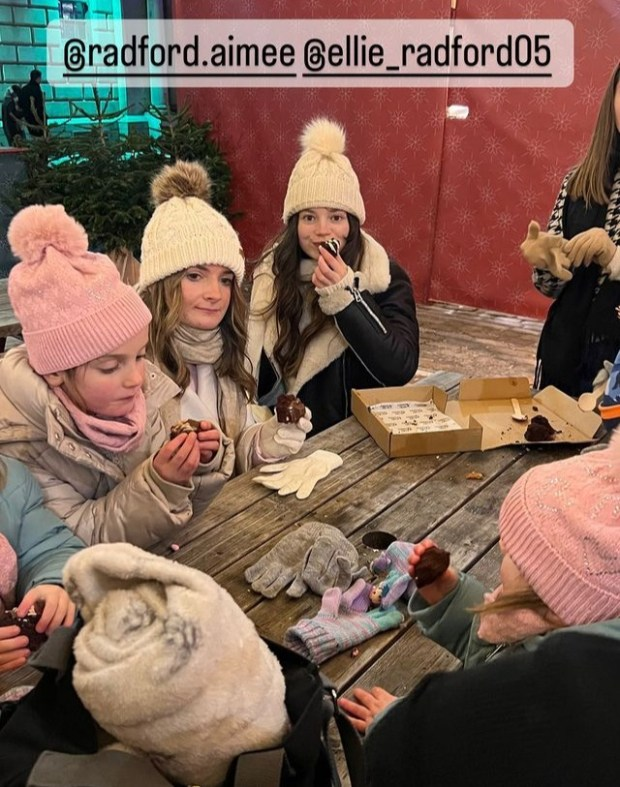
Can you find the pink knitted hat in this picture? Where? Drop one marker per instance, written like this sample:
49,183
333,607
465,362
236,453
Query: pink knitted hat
560,524
71,303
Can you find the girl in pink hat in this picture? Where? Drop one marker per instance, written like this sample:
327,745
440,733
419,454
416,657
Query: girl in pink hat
79,403
559,529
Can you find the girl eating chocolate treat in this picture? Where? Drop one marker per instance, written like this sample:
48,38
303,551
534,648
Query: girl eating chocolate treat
330,311
190,277
79,403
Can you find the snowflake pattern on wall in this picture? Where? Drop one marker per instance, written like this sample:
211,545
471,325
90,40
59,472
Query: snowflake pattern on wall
475,184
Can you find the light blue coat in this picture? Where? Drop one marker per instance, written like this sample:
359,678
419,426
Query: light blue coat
41,541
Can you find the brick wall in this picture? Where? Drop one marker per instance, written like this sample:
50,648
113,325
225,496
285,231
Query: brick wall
22,48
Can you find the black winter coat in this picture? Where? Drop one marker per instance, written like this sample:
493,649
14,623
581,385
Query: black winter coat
543,718
383,337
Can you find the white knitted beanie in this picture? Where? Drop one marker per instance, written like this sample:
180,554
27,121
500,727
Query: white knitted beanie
323,177
185,230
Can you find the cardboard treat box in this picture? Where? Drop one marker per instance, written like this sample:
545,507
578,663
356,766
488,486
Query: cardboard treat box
482,415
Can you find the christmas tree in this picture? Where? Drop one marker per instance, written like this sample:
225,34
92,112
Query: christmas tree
103,179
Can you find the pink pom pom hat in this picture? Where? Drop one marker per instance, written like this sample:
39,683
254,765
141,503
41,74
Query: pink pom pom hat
71,303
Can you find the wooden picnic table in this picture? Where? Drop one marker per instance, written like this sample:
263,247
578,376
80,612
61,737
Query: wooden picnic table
410,497
9,324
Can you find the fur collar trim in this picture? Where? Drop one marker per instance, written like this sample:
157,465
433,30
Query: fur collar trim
373,276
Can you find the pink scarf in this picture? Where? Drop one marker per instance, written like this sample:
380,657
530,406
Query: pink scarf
118,435
512,625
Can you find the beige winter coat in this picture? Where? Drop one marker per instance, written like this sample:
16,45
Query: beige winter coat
101,496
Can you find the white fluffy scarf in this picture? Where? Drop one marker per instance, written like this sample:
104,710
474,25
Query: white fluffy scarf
326,346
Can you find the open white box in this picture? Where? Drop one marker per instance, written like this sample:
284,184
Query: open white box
484,412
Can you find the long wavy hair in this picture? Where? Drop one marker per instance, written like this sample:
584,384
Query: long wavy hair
165,300
593,177
288,298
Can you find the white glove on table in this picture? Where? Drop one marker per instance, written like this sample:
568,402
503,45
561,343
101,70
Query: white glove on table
277,441
300,475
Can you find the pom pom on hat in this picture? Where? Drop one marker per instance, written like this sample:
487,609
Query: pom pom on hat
323,177
184,179
323,136
36,228
185,230
72,304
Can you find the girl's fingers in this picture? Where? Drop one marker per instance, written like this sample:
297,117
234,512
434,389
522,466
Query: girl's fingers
70,618
47,616
353,709
8,632
19,659
185,449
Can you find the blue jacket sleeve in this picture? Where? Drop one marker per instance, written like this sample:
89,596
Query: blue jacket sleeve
41,541
451,624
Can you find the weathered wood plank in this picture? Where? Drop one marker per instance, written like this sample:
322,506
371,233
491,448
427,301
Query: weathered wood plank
241,493
24,676
409,659
425,505
472,530
248,530
486,570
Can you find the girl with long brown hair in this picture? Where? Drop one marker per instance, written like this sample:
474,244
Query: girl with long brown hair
324,321
191,272
582,329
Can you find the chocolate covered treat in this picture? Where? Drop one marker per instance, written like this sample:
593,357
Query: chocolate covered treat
539,430
289,409
431,566
26,624
332,245
184,427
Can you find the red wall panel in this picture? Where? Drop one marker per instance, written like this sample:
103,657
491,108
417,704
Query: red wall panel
450,200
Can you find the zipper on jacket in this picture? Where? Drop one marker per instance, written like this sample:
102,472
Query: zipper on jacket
358,299
374,377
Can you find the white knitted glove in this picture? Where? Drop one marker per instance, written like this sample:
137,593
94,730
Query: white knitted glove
278,441
300,475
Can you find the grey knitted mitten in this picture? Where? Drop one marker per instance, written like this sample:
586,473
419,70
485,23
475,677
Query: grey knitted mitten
330,562
315,555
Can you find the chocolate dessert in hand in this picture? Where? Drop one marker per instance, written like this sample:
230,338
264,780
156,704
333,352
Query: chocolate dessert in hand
289,409
332,245
26,624
432,564
184,427
539,430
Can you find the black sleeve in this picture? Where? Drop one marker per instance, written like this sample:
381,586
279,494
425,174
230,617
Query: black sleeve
541,718
382,330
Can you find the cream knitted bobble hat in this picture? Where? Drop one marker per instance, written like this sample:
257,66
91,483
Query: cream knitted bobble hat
323,177
185,229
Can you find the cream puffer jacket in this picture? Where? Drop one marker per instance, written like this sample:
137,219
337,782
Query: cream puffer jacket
102,496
